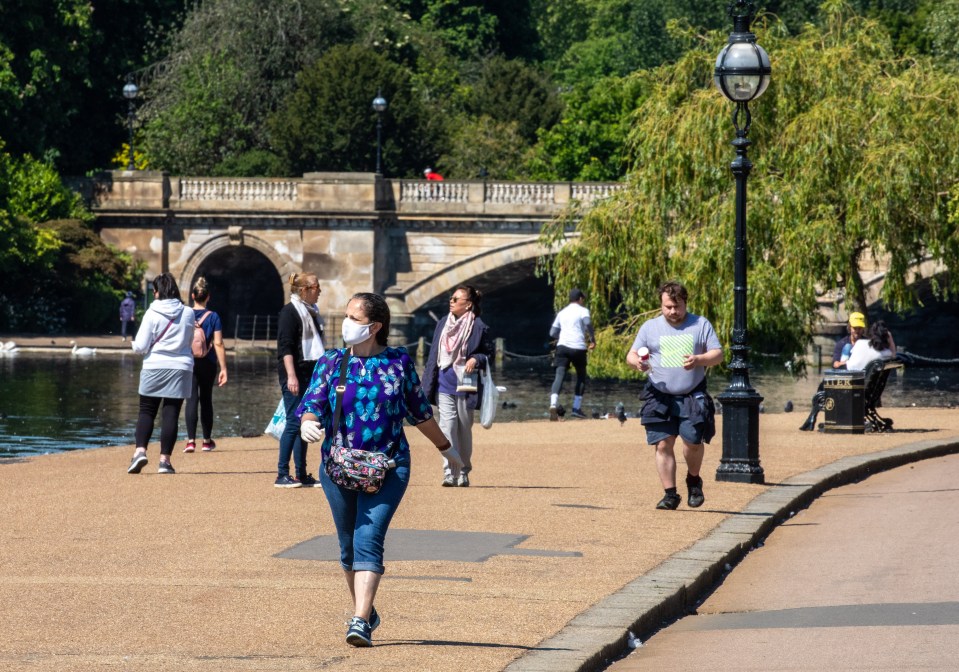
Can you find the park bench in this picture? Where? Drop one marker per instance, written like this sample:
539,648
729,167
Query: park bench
875,377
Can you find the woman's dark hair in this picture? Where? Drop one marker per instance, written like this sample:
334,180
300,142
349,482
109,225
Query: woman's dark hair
474,296
165,287
673,290
201,290
879,336
375,308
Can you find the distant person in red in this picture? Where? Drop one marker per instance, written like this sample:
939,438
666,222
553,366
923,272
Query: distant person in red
432,175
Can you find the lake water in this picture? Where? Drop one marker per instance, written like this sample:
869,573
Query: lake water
52,402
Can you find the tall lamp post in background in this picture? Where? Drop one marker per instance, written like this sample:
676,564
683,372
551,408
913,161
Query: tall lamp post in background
130,91
379,106
742,74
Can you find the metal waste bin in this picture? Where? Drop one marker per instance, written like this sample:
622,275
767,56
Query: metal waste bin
845,402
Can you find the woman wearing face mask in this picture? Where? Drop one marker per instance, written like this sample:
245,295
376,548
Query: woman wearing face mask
461,345
381,390
299,343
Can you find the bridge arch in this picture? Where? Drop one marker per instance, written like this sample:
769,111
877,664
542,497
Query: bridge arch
246,276
428,288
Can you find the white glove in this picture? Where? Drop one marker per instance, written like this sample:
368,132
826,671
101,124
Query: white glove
310,431
453,457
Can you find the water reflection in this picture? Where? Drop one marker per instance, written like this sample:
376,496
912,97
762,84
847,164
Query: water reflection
55,402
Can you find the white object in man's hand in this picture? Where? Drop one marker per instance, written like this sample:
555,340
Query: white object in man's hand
310,431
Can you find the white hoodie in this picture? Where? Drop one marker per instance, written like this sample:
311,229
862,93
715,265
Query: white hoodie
174,350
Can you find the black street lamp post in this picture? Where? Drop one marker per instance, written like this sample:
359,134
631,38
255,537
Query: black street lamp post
742,74
130,91
379,106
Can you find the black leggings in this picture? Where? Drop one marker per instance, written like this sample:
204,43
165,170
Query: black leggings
564,357
204,375
168,422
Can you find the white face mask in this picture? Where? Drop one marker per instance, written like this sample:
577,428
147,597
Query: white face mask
354,333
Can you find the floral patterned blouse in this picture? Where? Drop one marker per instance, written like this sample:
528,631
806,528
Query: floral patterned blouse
381,391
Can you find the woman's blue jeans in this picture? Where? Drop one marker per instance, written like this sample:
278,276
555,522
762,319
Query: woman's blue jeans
362,519
290,441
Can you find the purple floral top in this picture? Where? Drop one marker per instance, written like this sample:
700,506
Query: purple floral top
381,391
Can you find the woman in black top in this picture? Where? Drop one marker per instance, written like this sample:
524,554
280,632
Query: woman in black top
299,343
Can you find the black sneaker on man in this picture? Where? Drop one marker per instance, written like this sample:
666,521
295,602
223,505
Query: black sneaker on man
669,502
695,486
374,619
359,633
578,413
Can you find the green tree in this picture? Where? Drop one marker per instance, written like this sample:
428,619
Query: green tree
589,142
853,151
227,67
483,146
512,91
55,272
328,124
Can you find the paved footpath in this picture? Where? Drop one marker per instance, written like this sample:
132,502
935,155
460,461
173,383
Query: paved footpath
865,579
545,563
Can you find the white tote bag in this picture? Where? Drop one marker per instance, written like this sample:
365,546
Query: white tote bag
277,422
490,399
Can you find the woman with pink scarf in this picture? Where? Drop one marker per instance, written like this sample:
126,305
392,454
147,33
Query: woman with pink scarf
461,345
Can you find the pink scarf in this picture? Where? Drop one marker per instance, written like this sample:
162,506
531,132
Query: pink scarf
456,333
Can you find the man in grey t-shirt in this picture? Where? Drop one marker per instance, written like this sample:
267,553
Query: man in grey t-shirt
676,348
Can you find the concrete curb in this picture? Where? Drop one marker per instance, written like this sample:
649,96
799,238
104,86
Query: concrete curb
594,638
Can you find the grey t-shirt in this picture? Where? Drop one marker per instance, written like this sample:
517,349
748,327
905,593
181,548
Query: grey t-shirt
669,346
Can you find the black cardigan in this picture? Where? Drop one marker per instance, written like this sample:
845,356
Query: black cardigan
479,346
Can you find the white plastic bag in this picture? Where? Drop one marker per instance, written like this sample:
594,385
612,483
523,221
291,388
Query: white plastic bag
277,422
490,399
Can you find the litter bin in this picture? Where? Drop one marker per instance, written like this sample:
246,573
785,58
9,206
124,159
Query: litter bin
845,402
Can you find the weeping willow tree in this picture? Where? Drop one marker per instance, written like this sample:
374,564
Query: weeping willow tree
854,157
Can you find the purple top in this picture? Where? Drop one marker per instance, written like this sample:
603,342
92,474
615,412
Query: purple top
381,392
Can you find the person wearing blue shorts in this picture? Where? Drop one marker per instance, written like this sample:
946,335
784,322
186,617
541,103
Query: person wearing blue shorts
680,347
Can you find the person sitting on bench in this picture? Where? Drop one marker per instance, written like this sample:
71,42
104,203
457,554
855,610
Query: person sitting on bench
877,344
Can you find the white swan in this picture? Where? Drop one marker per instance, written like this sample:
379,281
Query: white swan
82,352
9,345
8,348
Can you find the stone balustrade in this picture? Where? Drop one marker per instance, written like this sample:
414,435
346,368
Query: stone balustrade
335,193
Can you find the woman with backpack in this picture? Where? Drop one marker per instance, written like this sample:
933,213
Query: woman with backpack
208,352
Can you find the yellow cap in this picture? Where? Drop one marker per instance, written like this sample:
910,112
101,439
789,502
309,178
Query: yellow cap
857,320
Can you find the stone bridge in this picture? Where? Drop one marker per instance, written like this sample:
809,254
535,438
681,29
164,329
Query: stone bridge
411,240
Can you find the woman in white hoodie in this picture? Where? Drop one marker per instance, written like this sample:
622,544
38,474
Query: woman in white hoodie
165,338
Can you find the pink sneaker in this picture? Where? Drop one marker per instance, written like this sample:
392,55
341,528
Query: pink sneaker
208,445
190,446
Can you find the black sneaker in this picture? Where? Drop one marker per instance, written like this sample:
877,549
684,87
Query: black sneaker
374,619
578,413
166,468
359,633
137,463
670,501
286,481
309,482
449,481
695,486
464,481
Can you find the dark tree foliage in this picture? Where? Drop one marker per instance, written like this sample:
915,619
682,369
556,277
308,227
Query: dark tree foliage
511,91
328,124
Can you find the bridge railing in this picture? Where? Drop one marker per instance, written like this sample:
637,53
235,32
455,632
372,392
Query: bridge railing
334,192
